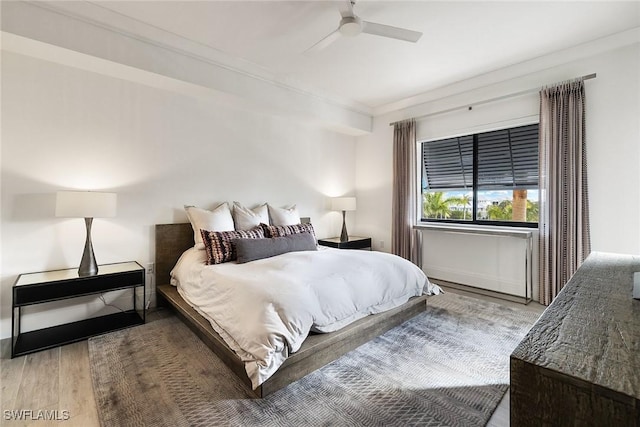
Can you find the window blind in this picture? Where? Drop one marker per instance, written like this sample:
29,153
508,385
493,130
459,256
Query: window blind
448,163
507,159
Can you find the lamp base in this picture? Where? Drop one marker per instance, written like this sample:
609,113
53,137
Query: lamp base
344,237
88,265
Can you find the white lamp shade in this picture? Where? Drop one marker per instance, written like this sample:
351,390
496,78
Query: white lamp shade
85,204
343,204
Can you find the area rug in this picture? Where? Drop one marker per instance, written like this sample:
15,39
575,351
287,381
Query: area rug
448,366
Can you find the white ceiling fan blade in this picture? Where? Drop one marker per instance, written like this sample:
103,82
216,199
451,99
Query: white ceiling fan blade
391,32
335,35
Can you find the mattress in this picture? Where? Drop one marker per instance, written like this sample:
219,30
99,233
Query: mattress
265,309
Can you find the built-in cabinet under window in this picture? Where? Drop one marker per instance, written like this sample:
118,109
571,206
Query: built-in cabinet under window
493,261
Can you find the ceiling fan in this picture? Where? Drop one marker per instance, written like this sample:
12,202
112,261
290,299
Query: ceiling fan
351,25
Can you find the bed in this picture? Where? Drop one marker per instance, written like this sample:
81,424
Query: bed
172,240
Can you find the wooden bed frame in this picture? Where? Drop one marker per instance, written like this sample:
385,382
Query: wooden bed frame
316,351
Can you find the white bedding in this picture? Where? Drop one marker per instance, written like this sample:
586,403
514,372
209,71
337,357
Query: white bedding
265,309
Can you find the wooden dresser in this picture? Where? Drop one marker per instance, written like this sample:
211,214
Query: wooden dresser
579,365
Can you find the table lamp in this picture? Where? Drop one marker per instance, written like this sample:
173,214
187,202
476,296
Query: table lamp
87,205
343,204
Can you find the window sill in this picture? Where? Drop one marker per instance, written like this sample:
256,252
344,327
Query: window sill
518,232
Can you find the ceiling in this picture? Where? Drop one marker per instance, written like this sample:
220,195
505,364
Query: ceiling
460,39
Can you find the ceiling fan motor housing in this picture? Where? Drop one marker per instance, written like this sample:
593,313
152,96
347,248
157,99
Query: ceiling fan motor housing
350,26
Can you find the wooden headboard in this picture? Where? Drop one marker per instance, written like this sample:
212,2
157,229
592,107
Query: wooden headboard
171,241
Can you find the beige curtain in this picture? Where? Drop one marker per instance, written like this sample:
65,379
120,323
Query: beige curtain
404,239
564,205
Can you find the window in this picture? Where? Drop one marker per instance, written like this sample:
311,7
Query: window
485,178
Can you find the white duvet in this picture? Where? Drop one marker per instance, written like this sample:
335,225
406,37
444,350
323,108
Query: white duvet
265,309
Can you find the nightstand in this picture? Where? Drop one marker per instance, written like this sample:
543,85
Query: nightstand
56,285
353,243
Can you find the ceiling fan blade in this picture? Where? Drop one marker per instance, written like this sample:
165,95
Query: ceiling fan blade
335,35
391,32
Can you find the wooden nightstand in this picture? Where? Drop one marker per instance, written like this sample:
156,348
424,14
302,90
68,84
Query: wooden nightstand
56,285
354,242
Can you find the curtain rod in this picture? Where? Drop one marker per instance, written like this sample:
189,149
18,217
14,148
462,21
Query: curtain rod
486,101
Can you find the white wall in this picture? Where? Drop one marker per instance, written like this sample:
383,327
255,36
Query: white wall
613,141
65,128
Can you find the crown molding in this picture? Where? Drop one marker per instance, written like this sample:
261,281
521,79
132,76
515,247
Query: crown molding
95,31
106,18
541,63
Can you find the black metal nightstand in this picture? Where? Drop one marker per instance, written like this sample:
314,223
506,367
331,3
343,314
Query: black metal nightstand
353,243
38,288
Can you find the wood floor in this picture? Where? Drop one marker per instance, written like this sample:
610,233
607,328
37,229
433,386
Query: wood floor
59,380
55,379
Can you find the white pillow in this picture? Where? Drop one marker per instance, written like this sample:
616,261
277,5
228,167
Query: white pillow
218,219
284,216
246,219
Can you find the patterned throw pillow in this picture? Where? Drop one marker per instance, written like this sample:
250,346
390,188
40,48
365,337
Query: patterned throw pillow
218,244
287,230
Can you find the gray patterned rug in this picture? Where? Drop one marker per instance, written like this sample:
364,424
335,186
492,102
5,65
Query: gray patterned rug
448,366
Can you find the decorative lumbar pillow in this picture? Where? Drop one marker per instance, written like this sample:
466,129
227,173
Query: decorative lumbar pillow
219,219
287,230
246,219
254,249
284,216
219,245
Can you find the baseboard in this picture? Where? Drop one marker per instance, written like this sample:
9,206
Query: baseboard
480,291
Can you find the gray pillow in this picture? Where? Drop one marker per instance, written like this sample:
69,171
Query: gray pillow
254,249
